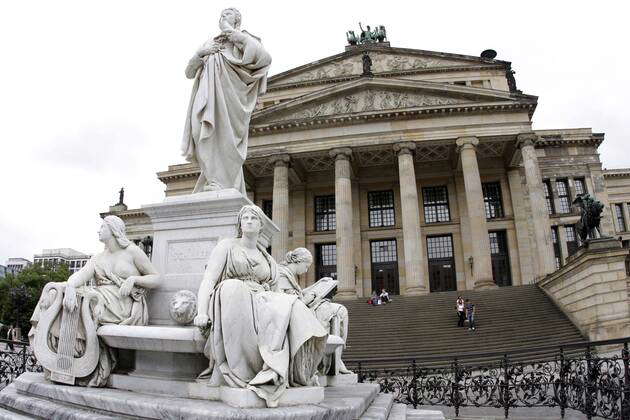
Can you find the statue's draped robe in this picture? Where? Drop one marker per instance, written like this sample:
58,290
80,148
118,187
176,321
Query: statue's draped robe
222,101
113,309
260,339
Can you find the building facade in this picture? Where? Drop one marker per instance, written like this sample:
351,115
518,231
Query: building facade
68,256
423,174
15,265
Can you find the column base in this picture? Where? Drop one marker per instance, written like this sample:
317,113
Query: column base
487,284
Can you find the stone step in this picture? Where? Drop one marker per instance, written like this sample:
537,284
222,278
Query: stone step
20,405
70,402
398,412
419,414
380,407
12,415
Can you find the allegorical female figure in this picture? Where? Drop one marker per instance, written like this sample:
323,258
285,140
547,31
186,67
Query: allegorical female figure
260,339
332,316
230,71
115,281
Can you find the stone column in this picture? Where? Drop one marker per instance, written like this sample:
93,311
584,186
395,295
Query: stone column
540,216
482,263
343,209
280,215
415,283
527,261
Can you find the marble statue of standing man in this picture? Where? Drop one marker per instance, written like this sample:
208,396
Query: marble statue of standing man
230,71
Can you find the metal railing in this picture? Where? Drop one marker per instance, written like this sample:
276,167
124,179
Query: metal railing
16,357
586,376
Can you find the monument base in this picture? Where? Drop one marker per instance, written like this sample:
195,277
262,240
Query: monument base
30,395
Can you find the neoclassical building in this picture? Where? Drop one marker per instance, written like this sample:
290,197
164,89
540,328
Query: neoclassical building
421,175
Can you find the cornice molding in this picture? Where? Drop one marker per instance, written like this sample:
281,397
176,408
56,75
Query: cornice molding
330,121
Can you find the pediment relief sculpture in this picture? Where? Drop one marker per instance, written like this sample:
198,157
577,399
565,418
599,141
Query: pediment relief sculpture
381,63
369,100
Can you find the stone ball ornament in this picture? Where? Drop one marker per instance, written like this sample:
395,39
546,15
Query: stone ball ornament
183,307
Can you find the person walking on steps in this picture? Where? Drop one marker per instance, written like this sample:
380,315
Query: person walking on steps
470,314
461,311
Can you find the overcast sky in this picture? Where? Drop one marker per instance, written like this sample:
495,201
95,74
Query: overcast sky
93,95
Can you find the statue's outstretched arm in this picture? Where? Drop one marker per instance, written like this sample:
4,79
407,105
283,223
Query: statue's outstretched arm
77,279
214,269
149,277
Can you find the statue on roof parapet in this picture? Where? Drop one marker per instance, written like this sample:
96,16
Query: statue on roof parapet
367,36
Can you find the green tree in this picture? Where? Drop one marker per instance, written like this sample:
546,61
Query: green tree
20,293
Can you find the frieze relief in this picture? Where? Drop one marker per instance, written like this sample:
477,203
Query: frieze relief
381,63
368,101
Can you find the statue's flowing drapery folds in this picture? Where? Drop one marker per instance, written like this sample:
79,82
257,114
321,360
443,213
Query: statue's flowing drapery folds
223,98
260,339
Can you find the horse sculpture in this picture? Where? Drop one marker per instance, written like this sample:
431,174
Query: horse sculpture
590,216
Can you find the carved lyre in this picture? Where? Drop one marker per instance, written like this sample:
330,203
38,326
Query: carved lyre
63,366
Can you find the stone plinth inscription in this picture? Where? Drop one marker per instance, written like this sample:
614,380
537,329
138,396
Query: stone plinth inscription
189,257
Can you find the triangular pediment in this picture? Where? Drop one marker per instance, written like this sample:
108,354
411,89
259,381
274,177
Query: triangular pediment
368,96
384,61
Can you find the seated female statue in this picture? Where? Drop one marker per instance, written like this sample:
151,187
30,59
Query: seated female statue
260,339
116,280
333,316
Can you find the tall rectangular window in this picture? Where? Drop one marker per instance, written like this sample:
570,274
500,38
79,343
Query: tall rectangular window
436,204
621,221
564,201
381,208
326,260
492,200
556,246
325,218
548,196
573,241
580,186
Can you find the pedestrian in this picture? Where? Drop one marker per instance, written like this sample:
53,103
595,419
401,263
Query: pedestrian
10,337
385,296
470,314
461,311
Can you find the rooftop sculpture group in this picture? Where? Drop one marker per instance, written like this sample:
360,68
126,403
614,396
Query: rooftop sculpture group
367,36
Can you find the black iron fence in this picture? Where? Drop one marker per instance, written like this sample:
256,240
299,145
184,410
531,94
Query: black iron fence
590,377
16,357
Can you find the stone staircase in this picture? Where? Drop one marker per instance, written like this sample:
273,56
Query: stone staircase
508,319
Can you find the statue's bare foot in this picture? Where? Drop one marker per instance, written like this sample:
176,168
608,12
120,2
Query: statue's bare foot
212,186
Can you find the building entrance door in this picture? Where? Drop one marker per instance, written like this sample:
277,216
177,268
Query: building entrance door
500,258
385,266
441,263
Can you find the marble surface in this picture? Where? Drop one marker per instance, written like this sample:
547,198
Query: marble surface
343,403
244,398
153,338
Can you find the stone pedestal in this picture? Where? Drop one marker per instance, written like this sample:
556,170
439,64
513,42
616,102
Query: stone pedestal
186,229
592,289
